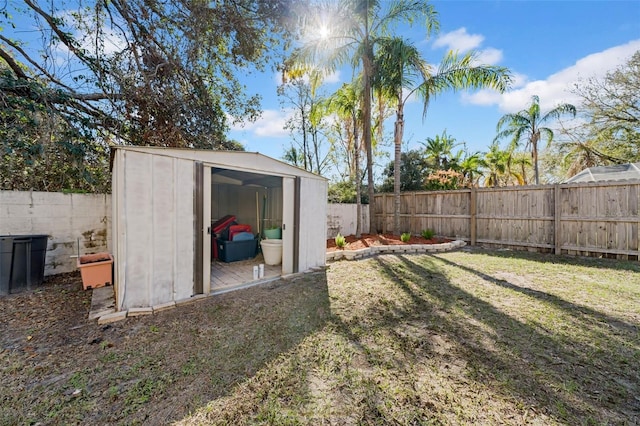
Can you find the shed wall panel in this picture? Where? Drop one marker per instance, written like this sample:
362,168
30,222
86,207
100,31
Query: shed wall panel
162,238
184,229
138,229
155,223
313,218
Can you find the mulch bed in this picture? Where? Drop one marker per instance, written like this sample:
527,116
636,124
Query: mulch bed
368,240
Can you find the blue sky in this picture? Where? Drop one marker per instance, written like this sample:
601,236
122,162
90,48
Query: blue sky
548,46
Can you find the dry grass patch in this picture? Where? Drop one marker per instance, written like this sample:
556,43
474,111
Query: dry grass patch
459,338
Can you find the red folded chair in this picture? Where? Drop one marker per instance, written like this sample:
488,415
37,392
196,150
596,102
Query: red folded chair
235,229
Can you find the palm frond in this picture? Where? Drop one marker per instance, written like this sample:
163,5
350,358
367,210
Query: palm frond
558,112
546,134
407,11
459,73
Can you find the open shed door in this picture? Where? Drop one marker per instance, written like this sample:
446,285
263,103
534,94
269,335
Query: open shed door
288,225
206,230
202,229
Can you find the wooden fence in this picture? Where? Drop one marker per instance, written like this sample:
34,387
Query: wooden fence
590,219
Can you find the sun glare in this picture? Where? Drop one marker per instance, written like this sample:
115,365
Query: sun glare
323,31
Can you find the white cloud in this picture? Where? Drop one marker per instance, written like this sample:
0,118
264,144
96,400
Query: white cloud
334,77
555,89
459,40
270,124
489,56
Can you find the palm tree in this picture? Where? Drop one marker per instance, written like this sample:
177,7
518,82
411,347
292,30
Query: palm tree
399,66
470,167
356,28
523,161
528,125
498,163
345,102
438,150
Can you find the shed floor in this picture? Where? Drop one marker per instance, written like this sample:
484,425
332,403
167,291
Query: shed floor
224,277
234,275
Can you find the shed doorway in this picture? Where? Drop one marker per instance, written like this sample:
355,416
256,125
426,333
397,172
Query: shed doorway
257,202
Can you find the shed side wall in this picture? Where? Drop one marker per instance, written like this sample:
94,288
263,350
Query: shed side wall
313,219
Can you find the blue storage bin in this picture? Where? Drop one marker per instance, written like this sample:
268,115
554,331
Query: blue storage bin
231,251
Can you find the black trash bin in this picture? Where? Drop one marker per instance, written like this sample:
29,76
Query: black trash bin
22,260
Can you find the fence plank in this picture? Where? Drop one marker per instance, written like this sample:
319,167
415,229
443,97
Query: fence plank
472,219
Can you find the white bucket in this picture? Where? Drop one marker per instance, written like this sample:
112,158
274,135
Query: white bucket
272,251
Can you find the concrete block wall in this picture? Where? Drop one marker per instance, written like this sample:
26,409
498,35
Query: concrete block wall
342,218
69,220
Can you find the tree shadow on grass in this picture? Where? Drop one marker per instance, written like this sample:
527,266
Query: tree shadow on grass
246,330
567,379
159,368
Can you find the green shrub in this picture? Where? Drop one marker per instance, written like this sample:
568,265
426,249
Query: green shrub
405,237
427,234
340,241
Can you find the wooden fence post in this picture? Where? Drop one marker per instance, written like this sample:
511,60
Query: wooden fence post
472,217
556,219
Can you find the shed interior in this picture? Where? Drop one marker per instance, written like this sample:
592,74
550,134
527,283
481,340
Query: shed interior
254,199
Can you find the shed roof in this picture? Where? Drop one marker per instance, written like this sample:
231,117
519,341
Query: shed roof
242,160
630,171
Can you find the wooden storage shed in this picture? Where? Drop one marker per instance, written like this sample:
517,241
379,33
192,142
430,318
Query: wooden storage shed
165,201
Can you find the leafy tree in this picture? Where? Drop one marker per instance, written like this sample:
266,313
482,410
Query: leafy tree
292,156
438,150
40,150
357,26
142,72
306,122
528,126
471,169
611,106
345,192
576,153
398,65
443,180
169,75
522,162
413,171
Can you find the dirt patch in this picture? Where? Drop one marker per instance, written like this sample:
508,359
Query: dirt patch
368,240
59,367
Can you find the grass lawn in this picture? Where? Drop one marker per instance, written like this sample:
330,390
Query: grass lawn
466,337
